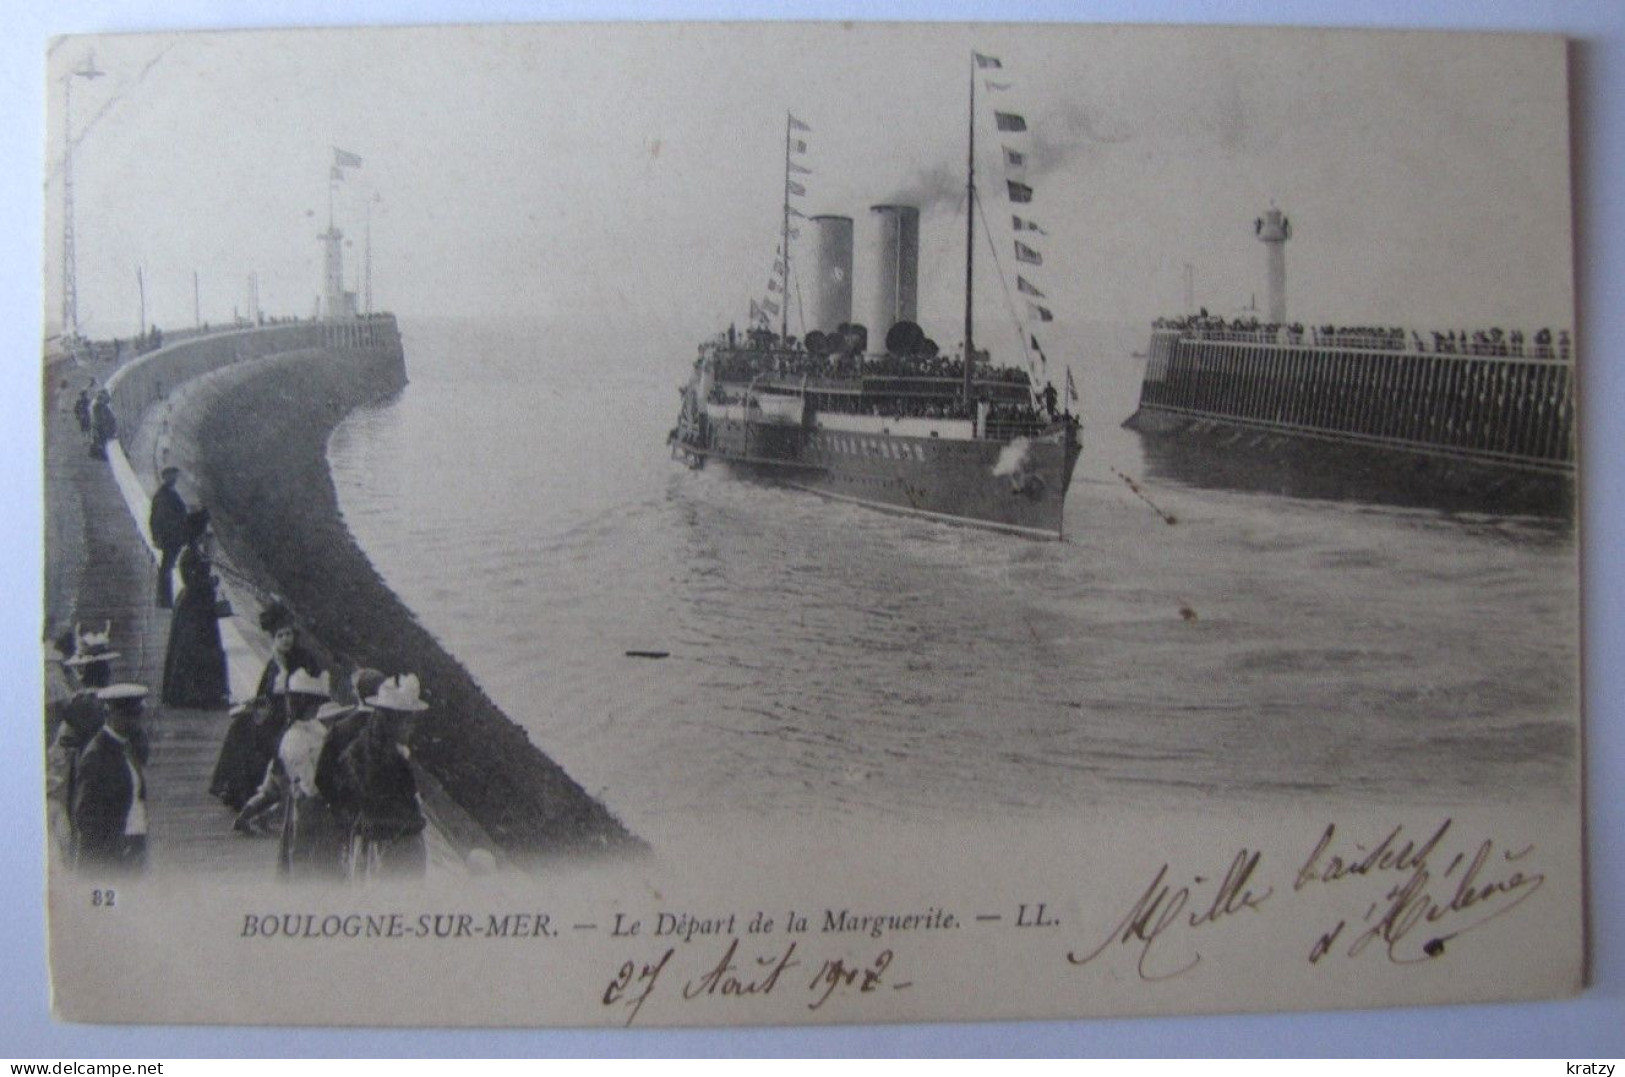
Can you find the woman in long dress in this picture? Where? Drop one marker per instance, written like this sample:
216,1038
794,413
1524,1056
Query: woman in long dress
195,663
256,728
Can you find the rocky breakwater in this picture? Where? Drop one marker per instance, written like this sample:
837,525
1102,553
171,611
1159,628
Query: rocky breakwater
253,432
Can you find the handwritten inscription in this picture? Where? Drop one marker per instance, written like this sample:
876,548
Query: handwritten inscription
1177,912
1423,911
731,975
1399,895
1413,908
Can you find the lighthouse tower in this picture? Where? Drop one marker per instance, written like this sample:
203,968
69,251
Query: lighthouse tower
332,272
1273,230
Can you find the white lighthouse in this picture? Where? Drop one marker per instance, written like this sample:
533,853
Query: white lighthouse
1273,230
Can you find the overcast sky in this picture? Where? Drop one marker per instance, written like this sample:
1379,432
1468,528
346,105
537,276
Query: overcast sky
624,175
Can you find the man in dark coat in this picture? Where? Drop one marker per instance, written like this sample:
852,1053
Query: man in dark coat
330,777
110,789
103,425
170,532
81,411
379,791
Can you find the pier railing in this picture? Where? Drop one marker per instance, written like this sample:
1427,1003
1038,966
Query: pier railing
143,381
1503,408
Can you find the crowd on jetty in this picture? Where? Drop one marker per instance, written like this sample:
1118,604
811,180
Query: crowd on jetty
1493,341
320,762
98,425
115,350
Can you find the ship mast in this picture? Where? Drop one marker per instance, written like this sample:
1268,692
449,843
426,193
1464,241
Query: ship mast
970,232
784,237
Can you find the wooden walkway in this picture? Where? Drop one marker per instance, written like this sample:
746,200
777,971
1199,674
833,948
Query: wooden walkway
100,569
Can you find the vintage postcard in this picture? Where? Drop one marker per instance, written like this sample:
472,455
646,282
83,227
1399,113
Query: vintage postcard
705,524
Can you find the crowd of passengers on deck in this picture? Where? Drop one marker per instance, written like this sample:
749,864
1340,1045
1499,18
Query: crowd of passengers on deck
1001,415
766,354
1488,342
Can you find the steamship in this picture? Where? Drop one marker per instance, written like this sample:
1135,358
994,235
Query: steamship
1483,421
903,429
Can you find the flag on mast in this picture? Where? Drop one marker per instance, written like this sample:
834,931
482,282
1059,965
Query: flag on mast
1009,121
797,125
345,159
1025,286
985,62
1019,192
995,87
1071,388
1026,254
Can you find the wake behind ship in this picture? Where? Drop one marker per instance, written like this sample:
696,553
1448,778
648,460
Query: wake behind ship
906,429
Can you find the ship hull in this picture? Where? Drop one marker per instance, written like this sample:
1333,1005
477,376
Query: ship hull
1017,486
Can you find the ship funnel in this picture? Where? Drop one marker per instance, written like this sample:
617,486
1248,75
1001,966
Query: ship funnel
832,286
895,267
1273,230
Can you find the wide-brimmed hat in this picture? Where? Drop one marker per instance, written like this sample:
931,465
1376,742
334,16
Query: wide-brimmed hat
92,647
114,692
123,698
401,694
301,682
333,710
91,656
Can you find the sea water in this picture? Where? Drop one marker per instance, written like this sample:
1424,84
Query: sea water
831,664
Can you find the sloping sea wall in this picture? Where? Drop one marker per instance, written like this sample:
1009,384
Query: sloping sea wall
251,430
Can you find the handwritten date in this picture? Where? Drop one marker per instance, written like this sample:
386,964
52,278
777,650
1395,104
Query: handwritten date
733,977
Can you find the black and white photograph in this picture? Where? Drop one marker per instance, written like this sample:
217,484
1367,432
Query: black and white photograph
710,524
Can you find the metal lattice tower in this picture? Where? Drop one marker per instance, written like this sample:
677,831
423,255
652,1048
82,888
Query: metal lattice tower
70,276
